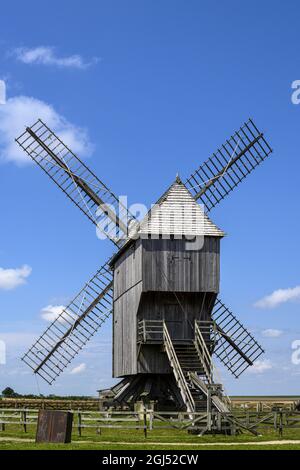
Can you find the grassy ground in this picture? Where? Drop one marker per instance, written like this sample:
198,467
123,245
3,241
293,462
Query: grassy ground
159,439
111,447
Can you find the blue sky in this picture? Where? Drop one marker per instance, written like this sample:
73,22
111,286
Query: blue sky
147,89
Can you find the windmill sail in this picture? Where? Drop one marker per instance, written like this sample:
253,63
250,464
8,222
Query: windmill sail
73,328
75,179
235,347
229,165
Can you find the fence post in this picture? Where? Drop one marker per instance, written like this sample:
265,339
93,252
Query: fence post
233,429
2,425
99,428
247,418
79,423
151,415
25,420
275,421
145,422
280,424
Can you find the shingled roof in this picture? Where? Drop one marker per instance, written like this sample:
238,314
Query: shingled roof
177,213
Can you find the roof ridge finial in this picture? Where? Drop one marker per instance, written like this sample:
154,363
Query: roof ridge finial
178,179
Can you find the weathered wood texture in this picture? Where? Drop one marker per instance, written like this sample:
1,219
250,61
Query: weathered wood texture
125,333
179,312
127,293
160,280
168,266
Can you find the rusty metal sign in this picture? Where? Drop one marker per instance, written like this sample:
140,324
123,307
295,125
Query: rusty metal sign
54,426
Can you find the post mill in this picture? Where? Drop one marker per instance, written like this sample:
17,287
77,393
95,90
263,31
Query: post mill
161,287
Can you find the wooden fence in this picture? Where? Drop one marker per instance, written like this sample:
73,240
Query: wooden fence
51,404
258,404
82,419
148,420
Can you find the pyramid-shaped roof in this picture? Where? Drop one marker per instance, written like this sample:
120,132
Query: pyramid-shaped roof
177,213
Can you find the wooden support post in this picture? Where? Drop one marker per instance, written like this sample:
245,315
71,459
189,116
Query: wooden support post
280,423
24,419
99,429
275,421
209,420
219,421
79,423
151,420
247,418
2,425
233,429
145,422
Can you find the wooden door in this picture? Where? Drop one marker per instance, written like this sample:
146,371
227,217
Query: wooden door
174,318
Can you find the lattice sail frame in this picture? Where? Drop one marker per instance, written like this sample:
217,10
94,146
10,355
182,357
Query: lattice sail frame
78,182
235,347
73,328
229,165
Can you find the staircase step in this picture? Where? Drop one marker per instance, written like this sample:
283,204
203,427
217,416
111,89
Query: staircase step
188,356
192,367
189,361
191,364
187,348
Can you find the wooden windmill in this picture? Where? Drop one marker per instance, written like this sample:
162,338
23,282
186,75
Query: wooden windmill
160,287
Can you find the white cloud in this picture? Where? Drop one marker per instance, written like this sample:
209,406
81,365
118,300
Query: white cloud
22,111
45,55
12,278
78,369
260,366
52,312
278,297
60,312
271,333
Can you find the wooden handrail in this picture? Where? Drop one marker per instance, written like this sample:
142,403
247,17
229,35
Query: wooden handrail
146,328
205,356
178,373
203,353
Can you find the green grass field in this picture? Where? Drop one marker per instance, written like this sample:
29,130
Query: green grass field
159,439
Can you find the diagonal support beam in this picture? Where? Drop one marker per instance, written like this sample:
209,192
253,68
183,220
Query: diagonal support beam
82,185
74,326
229,165
226,168
234,345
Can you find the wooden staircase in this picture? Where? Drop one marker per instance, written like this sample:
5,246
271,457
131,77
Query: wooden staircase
192,368
188,359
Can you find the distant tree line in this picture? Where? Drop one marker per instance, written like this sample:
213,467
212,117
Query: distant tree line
9,392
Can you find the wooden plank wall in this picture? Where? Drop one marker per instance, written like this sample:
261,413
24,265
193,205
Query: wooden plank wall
127,293
168,266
